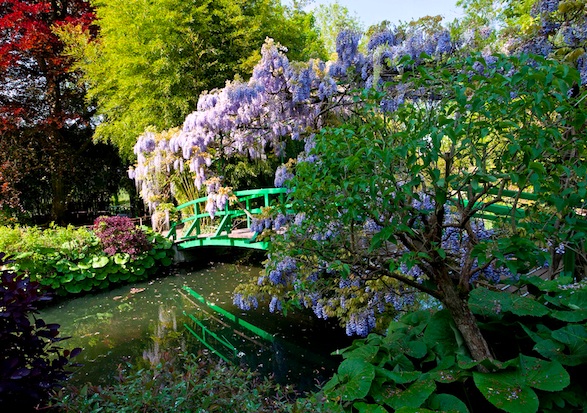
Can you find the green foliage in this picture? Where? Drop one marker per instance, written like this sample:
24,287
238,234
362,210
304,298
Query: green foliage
17,239
486,133
187,383
153,59
70,261
331,19
421,362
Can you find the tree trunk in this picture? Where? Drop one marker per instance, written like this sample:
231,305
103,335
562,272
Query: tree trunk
465,320
58,198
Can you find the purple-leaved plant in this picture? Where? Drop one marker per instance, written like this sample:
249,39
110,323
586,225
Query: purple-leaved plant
120,235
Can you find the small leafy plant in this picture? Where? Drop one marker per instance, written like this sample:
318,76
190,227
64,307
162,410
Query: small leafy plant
31,364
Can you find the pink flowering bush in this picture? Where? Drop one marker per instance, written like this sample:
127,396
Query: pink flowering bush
120,234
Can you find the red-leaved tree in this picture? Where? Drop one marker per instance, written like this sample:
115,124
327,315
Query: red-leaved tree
45,123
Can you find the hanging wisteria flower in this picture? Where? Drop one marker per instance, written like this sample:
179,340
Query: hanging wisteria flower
275,305
386,37
547,6
245,302
282,175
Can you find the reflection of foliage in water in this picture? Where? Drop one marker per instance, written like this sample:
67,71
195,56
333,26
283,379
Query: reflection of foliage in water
165,338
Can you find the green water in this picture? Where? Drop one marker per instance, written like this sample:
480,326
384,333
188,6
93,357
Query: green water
117,326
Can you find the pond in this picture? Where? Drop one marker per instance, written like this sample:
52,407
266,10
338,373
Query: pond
117,326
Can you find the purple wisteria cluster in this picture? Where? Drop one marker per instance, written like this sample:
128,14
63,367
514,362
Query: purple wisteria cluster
458,244
282,175
360,298
155,163
387,52
281,101
562,32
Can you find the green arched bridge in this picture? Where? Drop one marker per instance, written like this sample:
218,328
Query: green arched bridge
230,227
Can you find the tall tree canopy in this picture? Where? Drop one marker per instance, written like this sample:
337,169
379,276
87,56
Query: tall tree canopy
331,19
153,59
45,124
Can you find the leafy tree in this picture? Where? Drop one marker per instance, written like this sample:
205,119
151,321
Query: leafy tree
387,199
331,19
377,189
174,50
45,124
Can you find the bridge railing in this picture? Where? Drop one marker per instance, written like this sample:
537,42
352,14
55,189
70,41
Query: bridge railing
515,204
248,203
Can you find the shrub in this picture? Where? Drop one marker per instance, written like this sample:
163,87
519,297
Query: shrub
120,235
31,364
15,240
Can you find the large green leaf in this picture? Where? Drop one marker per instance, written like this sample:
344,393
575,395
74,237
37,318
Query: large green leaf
447,403
487,303
63,265
99,261
442,336
413,410
544,375
352,381
159,254
574,337
398,377
138,270
512,390
66,278
505,391
85,264
364,352
79,276
363,407
492,303
101,275
416,349
121,258
526,306
414,396
148,261
572,316
73,288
